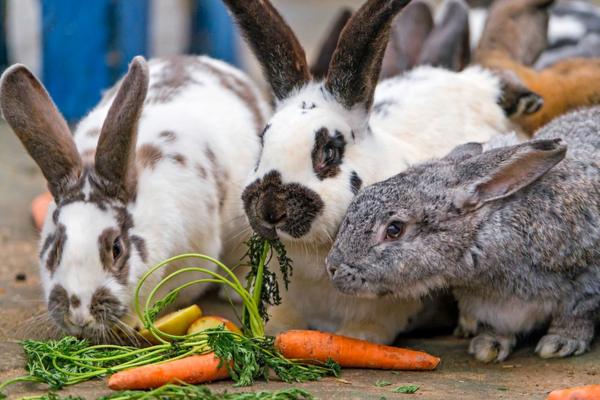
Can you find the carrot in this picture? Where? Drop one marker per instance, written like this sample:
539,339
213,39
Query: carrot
349,352
591,392
193,369
39,209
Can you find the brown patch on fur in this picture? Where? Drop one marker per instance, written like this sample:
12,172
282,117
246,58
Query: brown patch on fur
45,134
168,136
87,156
220,176
58,303
179,159
119,268
409,32
56,251
148,155
75,301
116,146
48,241
321,65
356,63
93,132
173,78
140,246
565,86
515,28
201,170
274,44
239,88
105,306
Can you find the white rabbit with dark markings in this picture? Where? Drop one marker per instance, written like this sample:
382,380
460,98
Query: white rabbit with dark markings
514,231
155,170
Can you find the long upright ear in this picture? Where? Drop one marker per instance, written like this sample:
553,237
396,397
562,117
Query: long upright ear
354,69
115,154
321,65
409,32
274,44
448,44
504,171
516,29
30,112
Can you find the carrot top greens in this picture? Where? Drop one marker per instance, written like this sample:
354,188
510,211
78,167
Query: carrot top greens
68,361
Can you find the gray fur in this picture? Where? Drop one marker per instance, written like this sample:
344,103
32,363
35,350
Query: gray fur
514,231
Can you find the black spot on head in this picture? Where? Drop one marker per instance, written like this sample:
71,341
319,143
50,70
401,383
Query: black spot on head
56,247
75,301
355,182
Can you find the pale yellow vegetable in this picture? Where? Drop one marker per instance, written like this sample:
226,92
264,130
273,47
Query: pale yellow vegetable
175,323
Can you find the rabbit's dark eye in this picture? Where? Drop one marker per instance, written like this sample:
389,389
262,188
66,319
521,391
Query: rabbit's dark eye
117,248
330,154
394,230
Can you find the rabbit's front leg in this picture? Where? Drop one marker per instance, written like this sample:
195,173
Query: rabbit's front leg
468,325
490,346
572,330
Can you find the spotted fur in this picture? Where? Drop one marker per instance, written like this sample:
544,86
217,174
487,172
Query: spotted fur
176,138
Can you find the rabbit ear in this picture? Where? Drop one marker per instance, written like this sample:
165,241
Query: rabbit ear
508,170
274,44
516,29
321,64
115,154
463,152
354,69
28,109
448,44
409,32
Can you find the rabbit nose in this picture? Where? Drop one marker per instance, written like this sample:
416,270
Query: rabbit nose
332,269
274,216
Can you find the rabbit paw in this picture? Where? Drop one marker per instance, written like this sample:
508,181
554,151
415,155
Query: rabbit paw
467,327
488,347
553,346
371,332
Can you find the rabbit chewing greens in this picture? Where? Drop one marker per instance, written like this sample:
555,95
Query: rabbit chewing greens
514,231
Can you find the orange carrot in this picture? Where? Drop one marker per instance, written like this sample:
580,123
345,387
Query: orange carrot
591,392
193,369
39,209
348,352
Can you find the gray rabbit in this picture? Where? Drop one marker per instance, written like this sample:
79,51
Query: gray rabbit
514,231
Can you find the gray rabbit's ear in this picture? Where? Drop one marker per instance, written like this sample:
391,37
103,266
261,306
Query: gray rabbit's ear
282,58
115,154
30,112
448,44
463,152
356,62
321,65
409,32
504,171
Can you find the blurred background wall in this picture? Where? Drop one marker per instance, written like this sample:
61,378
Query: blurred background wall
80,47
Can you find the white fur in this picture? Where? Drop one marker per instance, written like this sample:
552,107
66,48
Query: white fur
430,111
171,211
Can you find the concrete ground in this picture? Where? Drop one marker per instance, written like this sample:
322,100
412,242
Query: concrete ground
523,376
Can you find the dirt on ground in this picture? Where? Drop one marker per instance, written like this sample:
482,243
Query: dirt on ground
522,376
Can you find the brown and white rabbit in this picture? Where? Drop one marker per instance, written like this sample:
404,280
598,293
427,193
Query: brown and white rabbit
155,170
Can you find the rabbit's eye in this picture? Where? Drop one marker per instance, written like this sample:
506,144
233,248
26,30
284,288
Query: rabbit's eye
117,248
394,230
329,154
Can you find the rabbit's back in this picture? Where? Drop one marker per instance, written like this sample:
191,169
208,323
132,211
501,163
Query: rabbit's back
580,130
